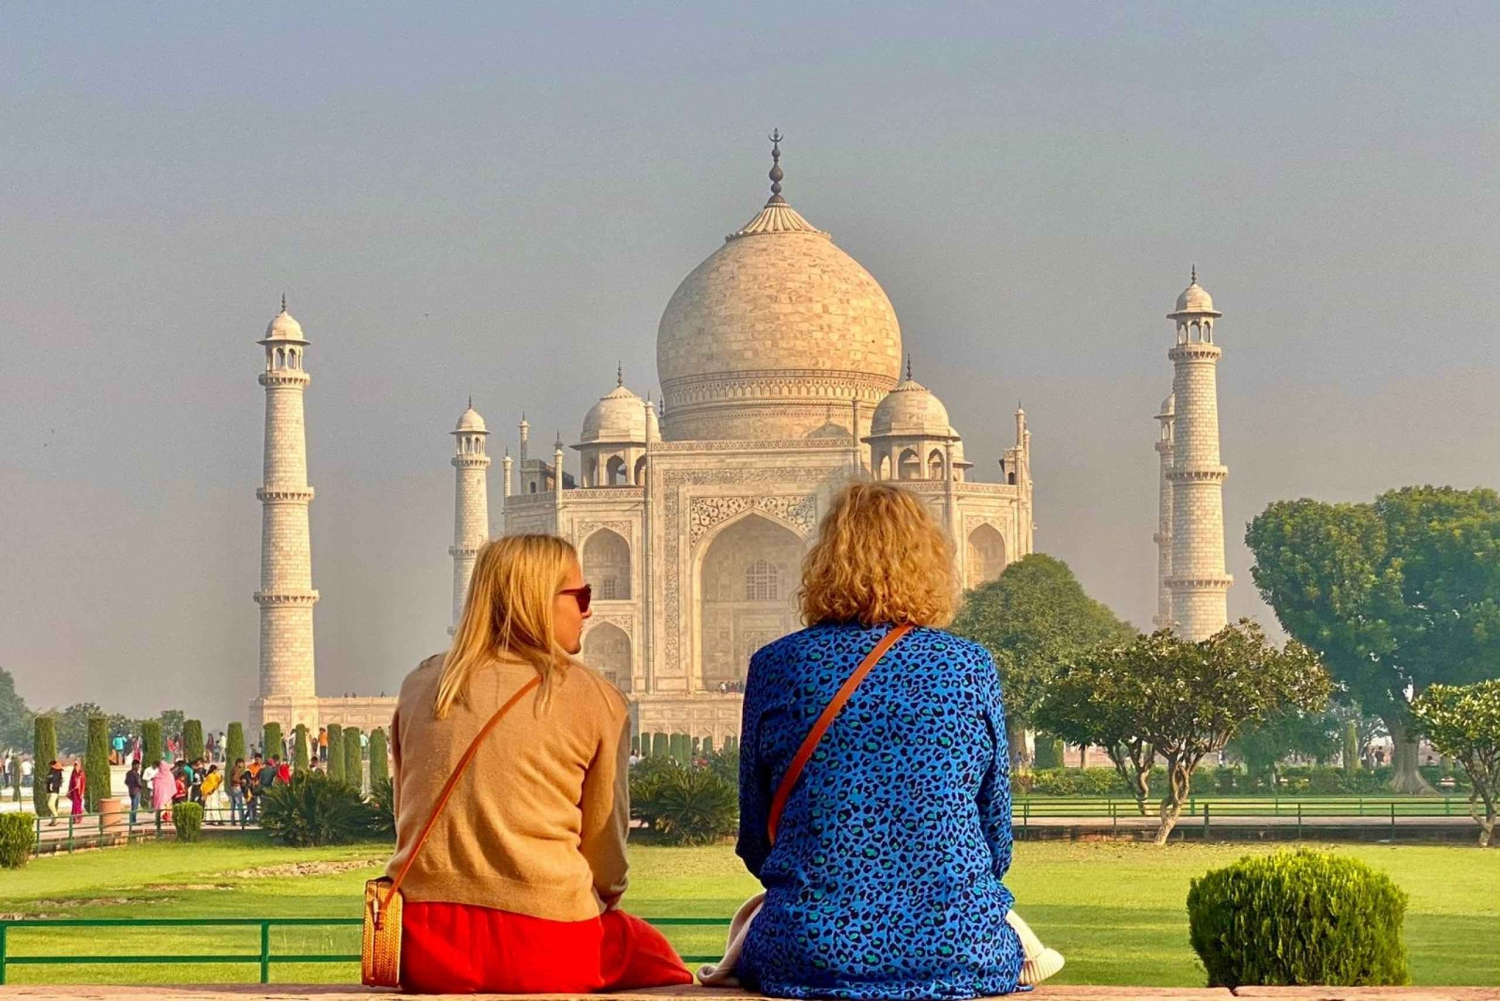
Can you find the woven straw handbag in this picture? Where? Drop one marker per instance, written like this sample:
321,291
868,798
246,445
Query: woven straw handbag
380,947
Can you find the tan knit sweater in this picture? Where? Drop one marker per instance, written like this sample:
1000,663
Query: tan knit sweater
537,824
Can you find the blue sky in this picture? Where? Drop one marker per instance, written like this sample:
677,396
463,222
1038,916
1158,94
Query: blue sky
500,200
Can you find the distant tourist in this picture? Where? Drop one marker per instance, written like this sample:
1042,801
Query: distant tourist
522,892
163,788
133,788
76,783
210,789
322,743
236,791
883,876
54,787
250,792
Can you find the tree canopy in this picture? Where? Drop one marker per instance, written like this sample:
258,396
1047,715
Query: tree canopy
15,716
1464,722
1034,619
1394,595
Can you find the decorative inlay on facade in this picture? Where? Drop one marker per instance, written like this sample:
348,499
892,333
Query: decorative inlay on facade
284,496
1195,352
584,529
625,623
286,598
1213,583
704,513
759,445
284,378
628,493
1199,474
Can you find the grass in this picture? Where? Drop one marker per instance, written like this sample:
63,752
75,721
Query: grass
1115,909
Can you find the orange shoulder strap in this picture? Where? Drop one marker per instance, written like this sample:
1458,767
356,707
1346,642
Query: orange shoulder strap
830,711
458,771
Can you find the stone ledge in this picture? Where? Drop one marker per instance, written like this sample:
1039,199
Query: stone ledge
1061,992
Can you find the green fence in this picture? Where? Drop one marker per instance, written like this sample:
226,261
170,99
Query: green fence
263,957
1025,808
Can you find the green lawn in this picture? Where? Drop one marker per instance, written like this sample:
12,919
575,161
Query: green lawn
1114,909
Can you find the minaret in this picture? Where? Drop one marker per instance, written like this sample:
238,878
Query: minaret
557,470
1198,582
525,430
471,502
1163,535
288,690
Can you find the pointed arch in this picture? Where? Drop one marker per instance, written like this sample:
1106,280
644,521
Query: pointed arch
606,648
745,589
985,559
909,466
606,565
935,464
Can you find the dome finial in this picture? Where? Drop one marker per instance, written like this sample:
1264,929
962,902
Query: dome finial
908,366
1194,279
776,173
283,302
619,373
471,401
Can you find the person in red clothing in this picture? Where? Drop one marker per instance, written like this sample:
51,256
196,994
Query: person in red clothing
284,773
518,891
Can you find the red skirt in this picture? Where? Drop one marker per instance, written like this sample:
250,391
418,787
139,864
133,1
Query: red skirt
462,949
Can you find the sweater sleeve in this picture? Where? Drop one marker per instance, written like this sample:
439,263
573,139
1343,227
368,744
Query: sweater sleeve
395,763
994,791
754,844
606,812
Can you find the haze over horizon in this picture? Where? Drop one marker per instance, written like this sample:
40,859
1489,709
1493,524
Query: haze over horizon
469,199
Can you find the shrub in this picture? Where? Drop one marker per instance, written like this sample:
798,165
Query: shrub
694,806
658,745
187,818
354,764
152,748
300,761
96,764
1298,917
380,769
726,764
192,739
270,741
17,838
43,751
646,780
383,802
317,810
234,743
335,765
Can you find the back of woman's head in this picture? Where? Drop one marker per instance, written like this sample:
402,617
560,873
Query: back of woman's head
509,610
879,557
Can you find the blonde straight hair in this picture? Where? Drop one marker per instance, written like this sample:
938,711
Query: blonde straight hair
509,612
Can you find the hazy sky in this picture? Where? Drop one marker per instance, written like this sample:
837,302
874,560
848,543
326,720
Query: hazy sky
490,199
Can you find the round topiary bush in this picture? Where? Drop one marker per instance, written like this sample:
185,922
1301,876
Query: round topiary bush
187,818
17,838
1298,918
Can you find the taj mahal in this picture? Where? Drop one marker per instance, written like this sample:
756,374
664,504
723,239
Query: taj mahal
783,375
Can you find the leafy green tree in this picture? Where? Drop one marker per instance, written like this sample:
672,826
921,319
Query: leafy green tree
1263,745
380,769
1086,706
192,739
335,766
73,727
1034,619
43,753
234,743
354,768
1190,699
15,717
1395,595
171,722
96,765
152,747
1464,722
299,748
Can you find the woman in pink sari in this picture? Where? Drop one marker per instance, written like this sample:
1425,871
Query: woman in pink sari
163,786
75,788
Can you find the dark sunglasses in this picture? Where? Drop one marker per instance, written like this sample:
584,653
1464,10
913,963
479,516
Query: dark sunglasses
584,596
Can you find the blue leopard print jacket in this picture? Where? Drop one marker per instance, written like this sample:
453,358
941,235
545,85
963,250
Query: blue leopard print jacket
885,880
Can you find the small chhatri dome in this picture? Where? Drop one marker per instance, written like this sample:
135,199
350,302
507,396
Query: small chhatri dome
283,327
911,410
619,416
1168,405
470,422
1194,299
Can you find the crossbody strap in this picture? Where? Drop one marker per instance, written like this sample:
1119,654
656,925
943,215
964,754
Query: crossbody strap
442,801
830,711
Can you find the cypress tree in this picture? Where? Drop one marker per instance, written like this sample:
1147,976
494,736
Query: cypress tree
380,770
658,745
192,739
635,745
299,757
270,741
15,777
1351,748
708,746
697,746
234,743
96,764
354,767
152,749
43,752
335,752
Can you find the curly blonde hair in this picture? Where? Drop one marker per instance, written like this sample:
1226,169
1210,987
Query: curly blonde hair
880,557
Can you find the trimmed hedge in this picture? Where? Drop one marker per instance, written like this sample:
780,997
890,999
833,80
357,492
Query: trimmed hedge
192,739
96,773
1298,917
270,740
43,753
187,818
334,767
1300,780
354,762
152,749
299,748
234,743
17,838
380,768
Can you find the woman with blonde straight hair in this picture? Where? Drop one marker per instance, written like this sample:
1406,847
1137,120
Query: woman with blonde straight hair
515,887
874,779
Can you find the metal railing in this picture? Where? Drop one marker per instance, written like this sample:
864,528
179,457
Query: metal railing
264,958
68,831
1024,808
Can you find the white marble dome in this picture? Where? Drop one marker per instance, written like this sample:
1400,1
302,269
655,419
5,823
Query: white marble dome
283,327
1195,299
470,422
617,417
776,323
911,410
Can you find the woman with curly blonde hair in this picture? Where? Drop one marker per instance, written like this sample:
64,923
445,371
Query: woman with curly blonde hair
882,857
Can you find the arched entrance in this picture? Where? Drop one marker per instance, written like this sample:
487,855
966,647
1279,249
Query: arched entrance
606,649
606,565
747,591
986,556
